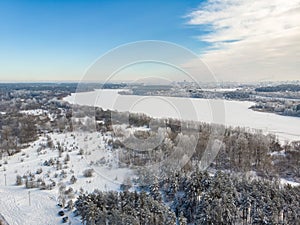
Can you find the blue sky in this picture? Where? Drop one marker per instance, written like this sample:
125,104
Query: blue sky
58,39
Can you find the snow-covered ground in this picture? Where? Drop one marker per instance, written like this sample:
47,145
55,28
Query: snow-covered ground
220,89
14,206
35,112
43,209
38,112
285,182
230,113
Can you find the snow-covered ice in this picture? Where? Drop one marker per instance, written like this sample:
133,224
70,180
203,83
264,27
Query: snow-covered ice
230,113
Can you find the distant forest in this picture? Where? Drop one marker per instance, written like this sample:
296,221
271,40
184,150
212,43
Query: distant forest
279,88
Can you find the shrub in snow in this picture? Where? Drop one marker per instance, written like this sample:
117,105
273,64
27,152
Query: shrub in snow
43,186
65,167
101,161
51,186
88,173
31,184
49,162
125,187
67,159
69,193
63,174
70,205
58,165
65,219
19,180
73,179
39,171
81,152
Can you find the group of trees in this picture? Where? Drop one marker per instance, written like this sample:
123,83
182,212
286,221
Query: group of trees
241,150
224,199
18,128
195,198
244,151
280,99
282,107
15,131
279,88
122,208
238,149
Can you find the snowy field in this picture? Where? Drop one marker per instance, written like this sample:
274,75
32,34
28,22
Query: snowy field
39,112
230,113
42,208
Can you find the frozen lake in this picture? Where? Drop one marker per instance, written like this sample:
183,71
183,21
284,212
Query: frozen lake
229,113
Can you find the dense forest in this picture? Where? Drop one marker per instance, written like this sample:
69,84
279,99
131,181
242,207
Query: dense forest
195,198
279,88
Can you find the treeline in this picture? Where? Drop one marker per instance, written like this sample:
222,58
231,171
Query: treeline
122,208
280,107
279,88
225,199
16,130
239,150
195,198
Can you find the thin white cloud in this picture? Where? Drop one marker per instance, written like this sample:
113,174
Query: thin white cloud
251,40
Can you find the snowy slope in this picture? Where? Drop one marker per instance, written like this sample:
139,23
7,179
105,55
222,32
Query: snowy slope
43,209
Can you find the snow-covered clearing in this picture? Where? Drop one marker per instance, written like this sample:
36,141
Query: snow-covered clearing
286,182
43,209
39,112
